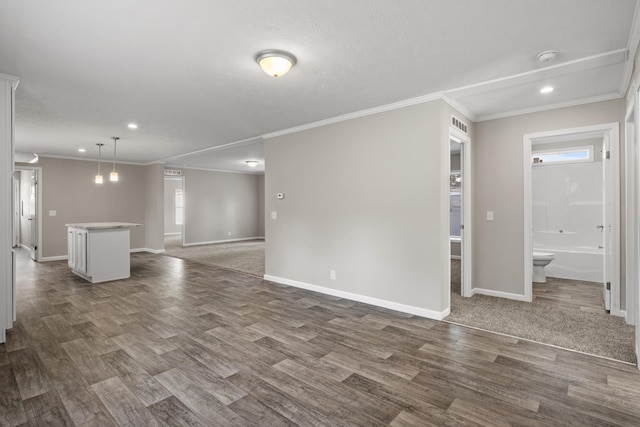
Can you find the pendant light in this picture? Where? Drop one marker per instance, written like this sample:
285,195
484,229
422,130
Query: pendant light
99,175
114,175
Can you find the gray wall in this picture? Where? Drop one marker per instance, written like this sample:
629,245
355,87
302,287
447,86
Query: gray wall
154,207
221,206
367,198
170,187
497,172
68,188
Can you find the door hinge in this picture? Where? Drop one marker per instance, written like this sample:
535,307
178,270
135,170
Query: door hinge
461,226
607,155
608,286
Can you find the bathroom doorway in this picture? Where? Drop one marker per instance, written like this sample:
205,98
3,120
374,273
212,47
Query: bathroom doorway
572,208
26,206
460,212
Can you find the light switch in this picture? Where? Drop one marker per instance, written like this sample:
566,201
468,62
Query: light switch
53,213
274,215
489,215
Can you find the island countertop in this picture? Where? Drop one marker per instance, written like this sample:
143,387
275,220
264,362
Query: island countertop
103,225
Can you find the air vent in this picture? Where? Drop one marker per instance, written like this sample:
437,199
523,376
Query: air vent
172,172
457,123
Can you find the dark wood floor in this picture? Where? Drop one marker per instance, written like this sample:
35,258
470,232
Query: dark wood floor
185,344
575,294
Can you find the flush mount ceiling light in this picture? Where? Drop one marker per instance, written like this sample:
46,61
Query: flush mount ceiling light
252,163
99,175
276,63
114,175
546,89
81,150
132,126
547,55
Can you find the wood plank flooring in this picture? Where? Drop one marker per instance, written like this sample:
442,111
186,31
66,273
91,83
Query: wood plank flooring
575,294
186,344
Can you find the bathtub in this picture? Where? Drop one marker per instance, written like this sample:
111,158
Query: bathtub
577,263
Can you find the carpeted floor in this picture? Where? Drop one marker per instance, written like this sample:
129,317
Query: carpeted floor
244,256
593,333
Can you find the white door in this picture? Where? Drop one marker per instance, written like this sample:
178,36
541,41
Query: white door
16,213
33,208
607,214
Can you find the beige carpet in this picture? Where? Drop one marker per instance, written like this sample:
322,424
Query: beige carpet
593,333
245,256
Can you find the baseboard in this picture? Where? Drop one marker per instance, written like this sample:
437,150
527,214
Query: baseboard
492,293
54,258
222,241
153,251
423,312
173,234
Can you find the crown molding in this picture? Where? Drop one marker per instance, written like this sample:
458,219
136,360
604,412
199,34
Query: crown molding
221,147
84,159
170,166
461,108
632,48
362,113
574,103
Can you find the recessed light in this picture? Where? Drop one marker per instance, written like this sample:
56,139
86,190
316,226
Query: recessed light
546,89
252,163
81,150
547,55
132,126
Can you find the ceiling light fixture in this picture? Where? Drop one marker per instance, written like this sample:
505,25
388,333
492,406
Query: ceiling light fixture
547,55
81,150
546,89
114,175
252,163
99,175
276,63
132,126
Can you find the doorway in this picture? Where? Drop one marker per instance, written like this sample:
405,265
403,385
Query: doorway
174,205
460,211
27,216
589,224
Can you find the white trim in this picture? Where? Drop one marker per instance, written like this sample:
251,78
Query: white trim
213,242
82,159
507,295
423,312
12,79
632,47
590,62
375,110
573,103
631,206
175,166
153,251
177,233
54,258
227,146
612,131
461,108
39,174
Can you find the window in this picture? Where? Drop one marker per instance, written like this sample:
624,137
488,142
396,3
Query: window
565,155
179,207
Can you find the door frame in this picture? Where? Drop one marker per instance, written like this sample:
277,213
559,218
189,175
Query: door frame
612,130
38,171
466,252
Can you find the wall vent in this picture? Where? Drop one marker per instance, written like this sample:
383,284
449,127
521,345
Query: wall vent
458,124
172,172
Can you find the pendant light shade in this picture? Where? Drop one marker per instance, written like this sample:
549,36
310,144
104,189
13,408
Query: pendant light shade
114,175
276,63
99,179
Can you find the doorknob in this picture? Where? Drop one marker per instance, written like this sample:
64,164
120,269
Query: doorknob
600,227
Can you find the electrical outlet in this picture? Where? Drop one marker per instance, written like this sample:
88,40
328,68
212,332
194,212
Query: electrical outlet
332,274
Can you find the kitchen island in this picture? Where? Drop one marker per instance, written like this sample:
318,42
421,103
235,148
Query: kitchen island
99,251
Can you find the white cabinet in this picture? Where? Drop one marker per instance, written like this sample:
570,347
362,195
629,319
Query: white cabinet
99,252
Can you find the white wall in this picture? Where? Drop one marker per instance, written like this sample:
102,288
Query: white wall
497,176
367,198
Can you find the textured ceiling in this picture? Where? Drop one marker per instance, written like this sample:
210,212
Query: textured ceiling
185,70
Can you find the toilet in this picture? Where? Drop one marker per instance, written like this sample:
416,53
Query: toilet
540,261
